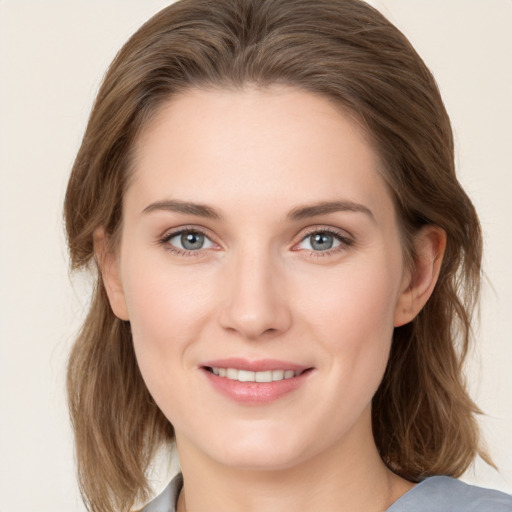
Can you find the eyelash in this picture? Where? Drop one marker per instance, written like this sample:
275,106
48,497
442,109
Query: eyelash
345,242
164,241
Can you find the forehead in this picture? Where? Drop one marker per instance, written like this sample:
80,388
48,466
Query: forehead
265,146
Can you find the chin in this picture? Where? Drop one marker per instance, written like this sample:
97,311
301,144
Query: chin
260,452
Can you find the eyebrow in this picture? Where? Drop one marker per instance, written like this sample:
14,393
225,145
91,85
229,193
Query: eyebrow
299,213
326,207
200,210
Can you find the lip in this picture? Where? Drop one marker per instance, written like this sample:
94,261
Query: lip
260,365
255,393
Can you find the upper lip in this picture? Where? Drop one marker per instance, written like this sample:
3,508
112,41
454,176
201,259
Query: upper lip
259,365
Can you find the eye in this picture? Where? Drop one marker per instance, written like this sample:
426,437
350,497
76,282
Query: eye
324,241
189,240
320,241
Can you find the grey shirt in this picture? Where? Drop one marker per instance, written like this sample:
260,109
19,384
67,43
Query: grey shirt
434,494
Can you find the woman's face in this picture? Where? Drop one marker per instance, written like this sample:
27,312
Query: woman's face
259,243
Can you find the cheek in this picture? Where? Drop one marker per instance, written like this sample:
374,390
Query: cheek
162,298
354,299
167,314
168,308
353,320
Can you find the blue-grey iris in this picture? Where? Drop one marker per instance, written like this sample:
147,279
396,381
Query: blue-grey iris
192,241
321,241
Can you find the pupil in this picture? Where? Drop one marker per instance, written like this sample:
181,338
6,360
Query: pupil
322,241
191,241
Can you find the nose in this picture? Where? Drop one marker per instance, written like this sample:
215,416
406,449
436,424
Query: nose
255,303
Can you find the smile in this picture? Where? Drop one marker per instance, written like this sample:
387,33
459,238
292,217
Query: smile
255,382
250,376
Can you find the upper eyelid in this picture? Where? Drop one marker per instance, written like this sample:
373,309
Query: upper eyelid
342,233
172,232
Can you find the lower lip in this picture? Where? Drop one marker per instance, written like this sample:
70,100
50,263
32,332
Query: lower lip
255,393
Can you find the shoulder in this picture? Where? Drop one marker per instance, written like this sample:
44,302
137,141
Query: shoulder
445,494
166,501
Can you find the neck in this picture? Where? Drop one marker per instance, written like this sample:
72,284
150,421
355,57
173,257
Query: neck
345,477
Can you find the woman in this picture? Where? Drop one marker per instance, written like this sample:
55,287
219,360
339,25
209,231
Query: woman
287,268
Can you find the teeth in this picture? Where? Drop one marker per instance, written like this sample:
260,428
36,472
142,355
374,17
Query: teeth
263,376
232,373
248,376
243,375
277,374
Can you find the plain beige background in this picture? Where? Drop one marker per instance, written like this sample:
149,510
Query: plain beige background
52,57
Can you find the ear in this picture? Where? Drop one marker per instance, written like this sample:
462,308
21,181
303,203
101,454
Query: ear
429,246
109,268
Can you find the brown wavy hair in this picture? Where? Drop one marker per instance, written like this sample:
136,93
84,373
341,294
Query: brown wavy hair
423,419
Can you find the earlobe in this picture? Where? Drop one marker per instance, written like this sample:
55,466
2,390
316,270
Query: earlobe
109,268
429,247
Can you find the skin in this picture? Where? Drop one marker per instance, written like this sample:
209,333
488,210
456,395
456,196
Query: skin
258,289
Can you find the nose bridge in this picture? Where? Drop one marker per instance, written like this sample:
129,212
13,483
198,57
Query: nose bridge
256,303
